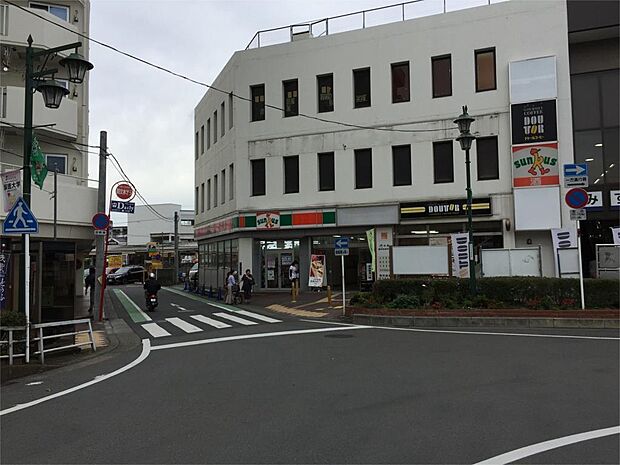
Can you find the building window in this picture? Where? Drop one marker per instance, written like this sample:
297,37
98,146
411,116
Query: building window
230,111
202,197
327,178
485,70
56,162
202,139
231,180
196,199
208,194
325,86
208,133
258,102
487,158
361,88
258,177
291,102
400,82
59,11
215,127
223,116
197,145
443,162
223,184
363,169
291,174
401,165
215,186
442,76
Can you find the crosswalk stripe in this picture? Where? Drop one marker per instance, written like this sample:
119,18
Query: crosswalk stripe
155,330
236,319
257,316
184,325
210,321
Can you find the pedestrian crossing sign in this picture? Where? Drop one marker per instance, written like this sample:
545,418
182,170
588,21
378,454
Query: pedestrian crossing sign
20,220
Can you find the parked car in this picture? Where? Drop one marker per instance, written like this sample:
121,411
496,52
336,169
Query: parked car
111,270
127,274
193,275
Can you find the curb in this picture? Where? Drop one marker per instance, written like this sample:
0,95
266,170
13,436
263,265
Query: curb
476,322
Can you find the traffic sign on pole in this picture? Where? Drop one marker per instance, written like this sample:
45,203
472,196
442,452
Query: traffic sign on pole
101,221
576,198
20,220
124,191
576,175
341,246
122,207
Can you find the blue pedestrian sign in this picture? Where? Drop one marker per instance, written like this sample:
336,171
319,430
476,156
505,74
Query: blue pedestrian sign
20,220
341,246
576,175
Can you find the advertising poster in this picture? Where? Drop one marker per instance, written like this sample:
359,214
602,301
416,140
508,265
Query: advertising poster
383,239
534,122
268,220
535,165
317,270
12,188
370,236
460,255
115,261
4,277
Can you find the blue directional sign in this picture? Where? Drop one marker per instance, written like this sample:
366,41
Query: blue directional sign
20,220
342,246
576,175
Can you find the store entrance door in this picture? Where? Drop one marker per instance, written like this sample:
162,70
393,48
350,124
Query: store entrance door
277,264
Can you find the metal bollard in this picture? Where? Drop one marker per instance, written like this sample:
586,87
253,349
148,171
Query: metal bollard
294,292
329,296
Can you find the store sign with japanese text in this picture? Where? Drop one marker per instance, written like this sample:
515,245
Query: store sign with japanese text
595,200
535,165
12,188
4,277
534,122
268,220
444,208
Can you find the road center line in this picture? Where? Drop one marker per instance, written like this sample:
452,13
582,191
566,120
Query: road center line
146,349
255,336
534,449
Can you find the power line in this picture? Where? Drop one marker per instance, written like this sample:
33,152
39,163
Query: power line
209,86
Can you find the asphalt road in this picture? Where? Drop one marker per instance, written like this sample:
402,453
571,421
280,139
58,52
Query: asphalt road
306,392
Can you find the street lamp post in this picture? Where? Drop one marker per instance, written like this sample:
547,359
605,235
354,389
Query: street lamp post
466,139
53,93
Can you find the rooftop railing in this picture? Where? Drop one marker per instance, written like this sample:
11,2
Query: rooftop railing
360,20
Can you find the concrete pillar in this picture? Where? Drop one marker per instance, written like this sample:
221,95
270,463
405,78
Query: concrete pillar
305,250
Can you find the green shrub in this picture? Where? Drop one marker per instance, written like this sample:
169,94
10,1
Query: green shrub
12,318
405,301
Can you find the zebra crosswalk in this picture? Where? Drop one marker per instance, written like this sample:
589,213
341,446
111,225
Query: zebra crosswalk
220,320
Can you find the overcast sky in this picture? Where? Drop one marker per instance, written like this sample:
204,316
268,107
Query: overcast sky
147,113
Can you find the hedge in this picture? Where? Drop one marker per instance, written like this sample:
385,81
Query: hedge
515,292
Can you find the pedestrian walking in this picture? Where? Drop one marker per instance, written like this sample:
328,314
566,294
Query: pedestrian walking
293,274
89,283
247,281
231,282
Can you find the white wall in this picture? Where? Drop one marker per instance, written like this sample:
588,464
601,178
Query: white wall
143,223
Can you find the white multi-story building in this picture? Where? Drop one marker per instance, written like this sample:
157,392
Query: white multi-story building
57,264
276,180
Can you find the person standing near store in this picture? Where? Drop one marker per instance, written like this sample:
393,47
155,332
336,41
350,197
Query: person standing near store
247,281
231,282
293,274
89,282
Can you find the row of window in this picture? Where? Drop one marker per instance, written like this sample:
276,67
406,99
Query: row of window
199,137
441,67
443,167
207,195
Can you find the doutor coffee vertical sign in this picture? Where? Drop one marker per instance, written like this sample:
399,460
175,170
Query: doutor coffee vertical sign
534,122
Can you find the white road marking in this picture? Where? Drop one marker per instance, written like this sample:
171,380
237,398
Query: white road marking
146,349
534,449
257,316
34,383
228,308
256,336
236,319
327,322
146,317
488,333
210,321
155,330
184,325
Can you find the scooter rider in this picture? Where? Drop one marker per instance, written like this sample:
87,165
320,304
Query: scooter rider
151,286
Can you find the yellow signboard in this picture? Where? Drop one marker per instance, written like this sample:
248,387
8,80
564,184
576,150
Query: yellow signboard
115,261
151,248
157,265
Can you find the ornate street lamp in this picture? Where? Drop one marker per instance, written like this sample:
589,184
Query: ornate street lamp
76,66
53,92
466,139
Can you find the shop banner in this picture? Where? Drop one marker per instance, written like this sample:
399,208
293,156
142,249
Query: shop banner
534,122
317,271
562,239
460,255
595,201
4,277
268,220
615,232
12,188
614,199
535,165
370,236
384,241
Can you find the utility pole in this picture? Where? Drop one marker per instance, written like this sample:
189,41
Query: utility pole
176,247
100,240
55,202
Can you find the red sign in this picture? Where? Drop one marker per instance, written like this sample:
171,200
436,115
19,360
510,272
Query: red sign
124,191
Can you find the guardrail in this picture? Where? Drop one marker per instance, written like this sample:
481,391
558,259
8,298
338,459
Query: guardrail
11,342
41,338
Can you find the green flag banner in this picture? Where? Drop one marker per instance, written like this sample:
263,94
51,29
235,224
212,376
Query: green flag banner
370,236
37,164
